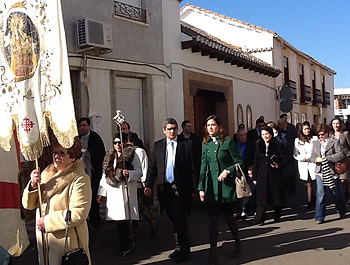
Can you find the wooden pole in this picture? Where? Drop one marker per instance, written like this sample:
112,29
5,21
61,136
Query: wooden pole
42,213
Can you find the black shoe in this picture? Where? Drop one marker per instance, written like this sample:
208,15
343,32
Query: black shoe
237,252
310,207
259,222
174,254
183,256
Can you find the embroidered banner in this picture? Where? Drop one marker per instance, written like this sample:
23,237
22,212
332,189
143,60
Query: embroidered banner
9,196
35,88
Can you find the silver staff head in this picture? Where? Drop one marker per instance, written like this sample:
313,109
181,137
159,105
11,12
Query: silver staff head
119,118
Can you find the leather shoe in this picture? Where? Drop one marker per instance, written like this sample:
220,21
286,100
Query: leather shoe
174,254
182,257
237,252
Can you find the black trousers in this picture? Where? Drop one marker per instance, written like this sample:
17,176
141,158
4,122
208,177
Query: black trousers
171,202
94,214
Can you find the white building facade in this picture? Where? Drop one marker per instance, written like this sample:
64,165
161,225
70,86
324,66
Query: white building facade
311,82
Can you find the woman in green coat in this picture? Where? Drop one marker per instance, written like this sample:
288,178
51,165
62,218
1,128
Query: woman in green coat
217,182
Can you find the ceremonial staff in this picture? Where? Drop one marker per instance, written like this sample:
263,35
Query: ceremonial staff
119,119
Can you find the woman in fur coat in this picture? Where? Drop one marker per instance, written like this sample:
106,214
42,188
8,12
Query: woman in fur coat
268,173
64,186
119,181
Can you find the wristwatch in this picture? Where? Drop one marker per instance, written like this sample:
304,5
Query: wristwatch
228,171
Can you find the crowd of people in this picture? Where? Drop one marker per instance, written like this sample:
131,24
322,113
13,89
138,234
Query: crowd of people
183,167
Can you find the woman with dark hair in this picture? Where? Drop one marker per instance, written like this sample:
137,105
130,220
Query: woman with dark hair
121,172
326,151
64,186
217,183
268,173
338,131
302,153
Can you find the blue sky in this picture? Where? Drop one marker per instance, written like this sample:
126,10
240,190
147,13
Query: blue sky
318,28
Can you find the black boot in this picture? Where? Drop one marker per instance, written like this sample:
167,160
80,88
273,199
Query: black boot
232,224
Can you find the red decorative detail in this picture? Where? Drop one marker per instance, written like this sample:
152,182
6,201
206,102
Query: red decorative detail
27,124
9,196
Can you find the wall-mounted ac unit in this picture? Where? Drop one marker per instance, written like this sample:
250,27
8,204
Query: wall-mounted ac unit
92,33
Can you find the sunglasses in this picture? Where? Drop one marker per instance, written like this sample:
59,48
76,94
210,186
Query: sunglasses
117,142
321,134
60,153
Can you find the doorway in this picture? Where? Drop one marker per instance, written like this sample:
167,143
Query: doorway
207,103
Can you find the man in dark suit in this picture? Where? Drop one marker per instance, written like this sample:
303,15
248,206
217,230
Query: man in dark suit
173,167
92,142
186,135
246,149
254,135
125,127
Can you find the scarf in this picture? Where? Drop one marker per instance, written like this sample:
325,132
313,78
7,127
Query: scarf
327,176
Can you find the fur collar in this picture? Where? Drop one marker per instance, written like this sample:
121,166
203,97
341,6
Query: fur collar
54,181
272,146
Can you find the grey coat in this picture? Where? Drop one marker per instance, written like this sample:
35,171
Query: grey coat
333,154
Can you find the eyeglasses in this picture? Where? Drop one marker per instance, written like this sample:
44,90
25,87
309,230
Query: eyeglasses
117,142
171,128
60,153
321,134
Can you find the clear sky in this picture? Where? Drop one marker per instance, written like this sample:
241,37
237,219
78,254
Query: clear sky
318,28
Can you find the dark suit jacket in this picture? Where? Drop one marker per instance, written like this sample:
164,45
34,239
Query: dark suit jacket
97,152
184,170
252,135
197,150
249,156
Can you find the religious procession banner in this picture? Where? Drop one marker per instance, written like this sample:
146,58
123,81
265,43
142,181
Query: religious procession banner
35,88
14,237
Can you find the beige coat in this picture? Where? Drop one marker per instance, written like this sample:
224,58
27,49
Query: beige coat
69,189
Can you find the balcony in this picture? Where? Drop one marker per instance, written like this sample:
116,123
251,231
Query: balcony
293,86
317,97
327,99
305,94
129,12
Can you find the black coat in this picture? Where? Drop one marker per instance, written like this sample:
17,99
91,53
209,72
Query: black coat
184,170
97,152
271,183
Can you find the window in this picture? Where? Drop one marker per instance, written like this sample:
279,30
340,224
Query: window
301,83
130,9
249,118
303,117
296,117
285,69
239,115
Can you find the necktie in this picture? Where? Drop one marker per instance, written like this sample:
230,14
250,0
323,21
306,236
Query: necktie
170,164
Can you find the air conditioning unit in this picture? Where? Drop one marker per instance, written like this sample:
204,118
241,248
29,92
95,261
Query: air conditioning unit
94,34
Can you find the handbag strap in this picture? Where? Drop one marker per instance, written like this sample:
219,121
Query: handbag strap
238,167
68,219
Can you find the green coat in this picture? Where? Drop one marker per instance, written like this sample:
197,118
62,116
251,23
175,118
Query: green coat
215,158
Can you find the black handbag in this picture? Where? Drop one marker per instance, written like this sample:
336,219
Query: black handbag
77,256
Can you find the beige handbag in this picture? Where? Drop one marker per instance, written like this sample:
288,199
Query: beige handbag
242,186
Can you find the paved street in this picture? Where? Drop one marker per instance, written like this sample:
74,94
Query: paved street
297,239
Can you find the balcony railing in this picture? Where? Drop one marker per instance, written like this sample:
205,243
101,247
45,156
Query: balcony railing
327,99
129,11
305,94
293,86
317,97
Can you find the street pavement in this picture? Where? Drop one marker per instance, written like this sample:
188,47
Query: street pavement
296,239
